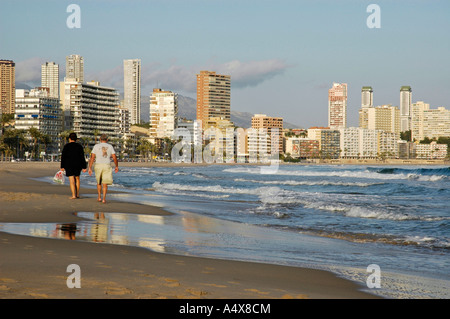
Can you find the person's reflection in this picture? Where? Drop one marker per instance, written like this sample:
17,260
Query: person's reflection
99,231
68,230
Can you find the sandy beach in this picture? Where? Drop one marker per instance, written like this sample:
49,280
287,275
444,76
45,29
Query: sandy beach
32,267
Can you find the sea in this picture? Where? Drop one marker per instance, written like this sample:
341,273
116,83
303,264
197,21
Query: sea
386,228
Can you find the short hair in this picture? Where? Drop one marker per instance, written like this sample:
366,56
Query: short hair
73,136
103,137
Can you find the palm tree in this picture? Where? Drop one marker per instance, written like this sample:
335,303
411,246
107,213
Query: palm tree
36,136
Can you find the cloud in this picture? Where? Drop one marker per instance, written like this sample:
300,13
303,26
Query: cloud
253,73
29,71
181,78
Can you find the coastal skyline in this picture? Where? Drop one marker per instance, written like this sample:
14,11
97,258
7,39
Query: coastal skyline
283,57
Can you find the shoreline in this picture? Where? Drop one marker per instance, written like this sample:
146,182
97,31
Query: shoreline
36,267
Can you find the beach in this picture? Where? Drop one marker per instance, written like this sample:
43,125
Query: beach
33,267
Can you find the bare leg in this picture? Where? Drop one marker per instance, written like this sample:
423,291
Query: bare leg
73,187
99,192
77,185
105,190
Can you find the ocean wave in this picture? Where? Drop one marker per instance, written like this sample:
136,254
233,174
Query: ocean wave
307,183
418,241
370,173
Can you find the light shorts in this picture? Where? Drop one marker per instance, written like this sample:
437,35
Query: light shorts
103,174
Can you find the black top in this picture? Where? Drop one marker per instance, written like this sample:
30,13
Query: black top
72,159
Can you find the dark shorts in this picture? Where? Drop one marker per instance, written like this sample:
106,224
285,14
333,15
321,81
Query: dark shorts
73,172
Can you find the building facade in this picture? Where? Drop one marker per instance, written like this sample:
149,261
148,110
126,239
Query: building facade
163,113
92,108
50,78
37,108
385,118
132,88
7,86
273,128
213,96
337,106
405,108
431,151
75,67
366,97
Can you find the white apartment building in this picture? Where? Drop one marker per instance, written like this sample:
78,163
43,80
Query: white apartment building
132,88
163,113
431,151
366,97
431,123
436,122
91,108
405,108
36,108
50,78
356,142
75,67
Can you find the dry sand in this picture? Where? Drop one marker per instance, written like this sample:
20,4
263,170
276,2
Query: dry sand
32,267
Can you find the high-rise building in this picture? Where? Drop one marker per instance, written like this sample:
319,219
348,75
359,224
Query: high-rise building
405,108
36,108
90,108
50,78
163,113
337,106
366,97
417,120
213,96
75,67
384,118
7,86
132,88
272,127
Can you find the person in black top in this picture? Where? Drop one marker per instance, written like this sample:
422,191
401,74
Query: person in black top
73,162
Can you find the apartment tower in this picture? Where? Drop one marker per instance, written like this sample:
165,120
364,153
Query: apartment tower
213,96
75,67
132,88
337,106
163,113
405,108
50,78
7,86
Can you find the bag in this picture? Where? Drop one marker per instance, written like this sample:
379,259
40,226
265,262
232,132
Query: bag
59,177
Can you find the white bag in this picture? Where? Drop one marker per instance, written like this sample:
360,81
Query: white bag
59,177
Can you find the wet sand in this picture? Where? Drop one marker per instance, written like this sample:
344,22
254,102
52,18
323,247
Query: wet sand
32,267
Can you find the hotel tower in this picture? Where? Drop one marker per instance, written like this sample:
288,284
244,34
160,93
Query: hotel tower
213,96
337,106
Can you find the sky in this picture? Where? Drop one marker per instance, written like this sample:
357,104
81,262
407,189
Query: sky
283,56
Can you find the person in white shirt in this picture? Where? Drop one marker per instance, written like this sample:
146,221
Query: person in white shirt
101,155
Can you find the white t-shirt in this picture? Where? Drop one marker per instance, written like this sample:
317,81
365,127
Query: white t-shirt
103,152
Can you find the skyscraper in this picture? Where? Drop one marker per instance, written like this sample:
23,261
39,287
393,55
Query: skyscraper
366,97
7,86
213,96
132,88
75,67
337,106
405,108
50,78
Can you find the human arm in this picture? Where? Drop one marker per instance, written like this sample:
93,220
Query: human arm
116,162
91,161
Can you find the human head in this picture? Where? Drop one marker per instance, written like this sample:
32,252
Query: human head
73,137
103,138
